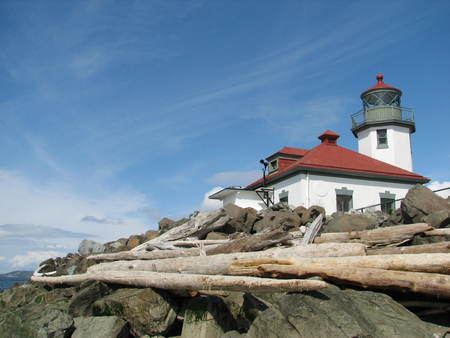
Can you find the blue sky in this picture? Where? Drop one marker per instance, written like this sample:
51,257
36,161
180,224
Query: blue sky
116,113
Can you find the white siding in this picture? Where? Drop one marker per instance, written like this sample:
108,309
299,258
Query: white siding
397,153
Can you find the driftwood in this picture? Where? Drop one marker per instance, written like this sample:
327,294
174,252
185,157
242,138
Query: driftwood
246,244
174,281
419,282
218,264
441,247
198,226
313,230
380,236
431,263
253,243
438,232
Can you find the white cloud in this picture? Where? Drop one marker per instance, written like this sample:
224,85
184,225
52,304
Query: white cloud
235,178
436,185
2,259
209,204
61,205
32,258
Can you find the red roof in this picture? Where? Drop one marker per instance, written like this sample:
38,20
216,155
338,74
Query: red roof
328,156
380,84
293,151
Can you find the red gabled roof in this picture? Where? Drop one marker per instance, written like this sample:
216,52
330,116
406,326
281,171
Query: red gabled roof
329,156
293,151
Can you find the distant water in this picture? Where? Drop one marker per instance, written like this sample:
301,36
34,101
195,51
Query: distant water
6,283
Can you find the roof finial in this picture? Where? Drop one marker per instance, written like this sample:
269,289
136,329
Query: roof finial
380,78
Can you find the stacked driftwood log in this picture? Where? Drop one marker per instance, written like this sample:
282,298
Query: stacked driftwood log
276,260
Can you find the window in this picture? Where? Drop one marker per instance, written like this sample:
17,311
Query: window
387,201
344,200
343,203
387,205
382,138
273,165
283,196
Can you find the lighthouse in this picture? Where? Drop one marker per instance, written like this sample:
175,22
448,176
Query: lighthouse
383,127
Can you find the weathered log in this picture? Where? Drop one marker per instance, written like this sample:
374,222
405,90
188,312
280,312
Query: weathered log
431,263
198,226
218,264
253,243
174,281
418,282
313,230
438,232
246,244
441,247
380,236
150,255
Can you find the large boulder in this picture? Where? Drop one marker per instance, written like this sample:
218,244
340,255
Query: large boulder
207,317
420,202
337,313
166,224
100,327
272,220
339,222
81,303
148,311
241,219
311,214
88,247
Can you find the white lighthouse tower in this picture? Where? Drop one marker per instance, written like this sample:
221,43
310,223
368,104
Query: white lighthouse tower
383,127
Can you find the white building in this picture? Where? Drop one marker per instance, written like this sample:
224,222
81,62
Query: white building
337,178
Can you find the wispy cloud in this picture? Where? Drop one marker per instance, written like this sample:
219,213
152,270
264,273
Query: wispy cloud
234,178
437,185
32,258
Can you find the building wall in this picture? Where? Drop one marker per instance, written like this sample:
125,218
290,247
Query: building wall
365,192
244,199
397,153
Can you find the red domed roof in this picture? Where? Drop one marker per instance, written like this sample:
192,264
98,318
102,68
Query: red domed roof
380,84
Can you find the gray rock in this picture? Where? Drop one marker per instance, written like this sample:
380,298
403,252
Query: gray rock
420,202
277,219
80,304
349,222
241,219
438,219
88,247
311,214
100,327
147,311
337,313
213,235
207,317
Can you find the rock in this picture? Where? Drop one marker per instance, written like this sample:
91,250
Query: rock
100,327
420,202
438,219
303,229
216,235
277,219
337,313
280,206
148,311
166,224
80,304
207,317
395,218
134,241
311,214
241,219
301,211
151,234
116,246
349,222
88,247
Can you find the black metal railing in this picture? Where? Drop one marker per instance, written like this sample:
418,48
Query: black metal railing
394,201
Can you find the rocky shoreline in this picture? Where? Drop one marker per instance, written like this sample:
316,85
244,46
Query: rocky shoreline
99,309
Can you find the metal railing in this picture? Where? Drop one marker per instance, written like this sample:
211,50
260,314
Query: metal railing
380,113
394,201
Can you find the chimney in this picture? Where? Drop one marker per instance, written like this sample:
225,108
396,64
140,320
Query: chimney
329,137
